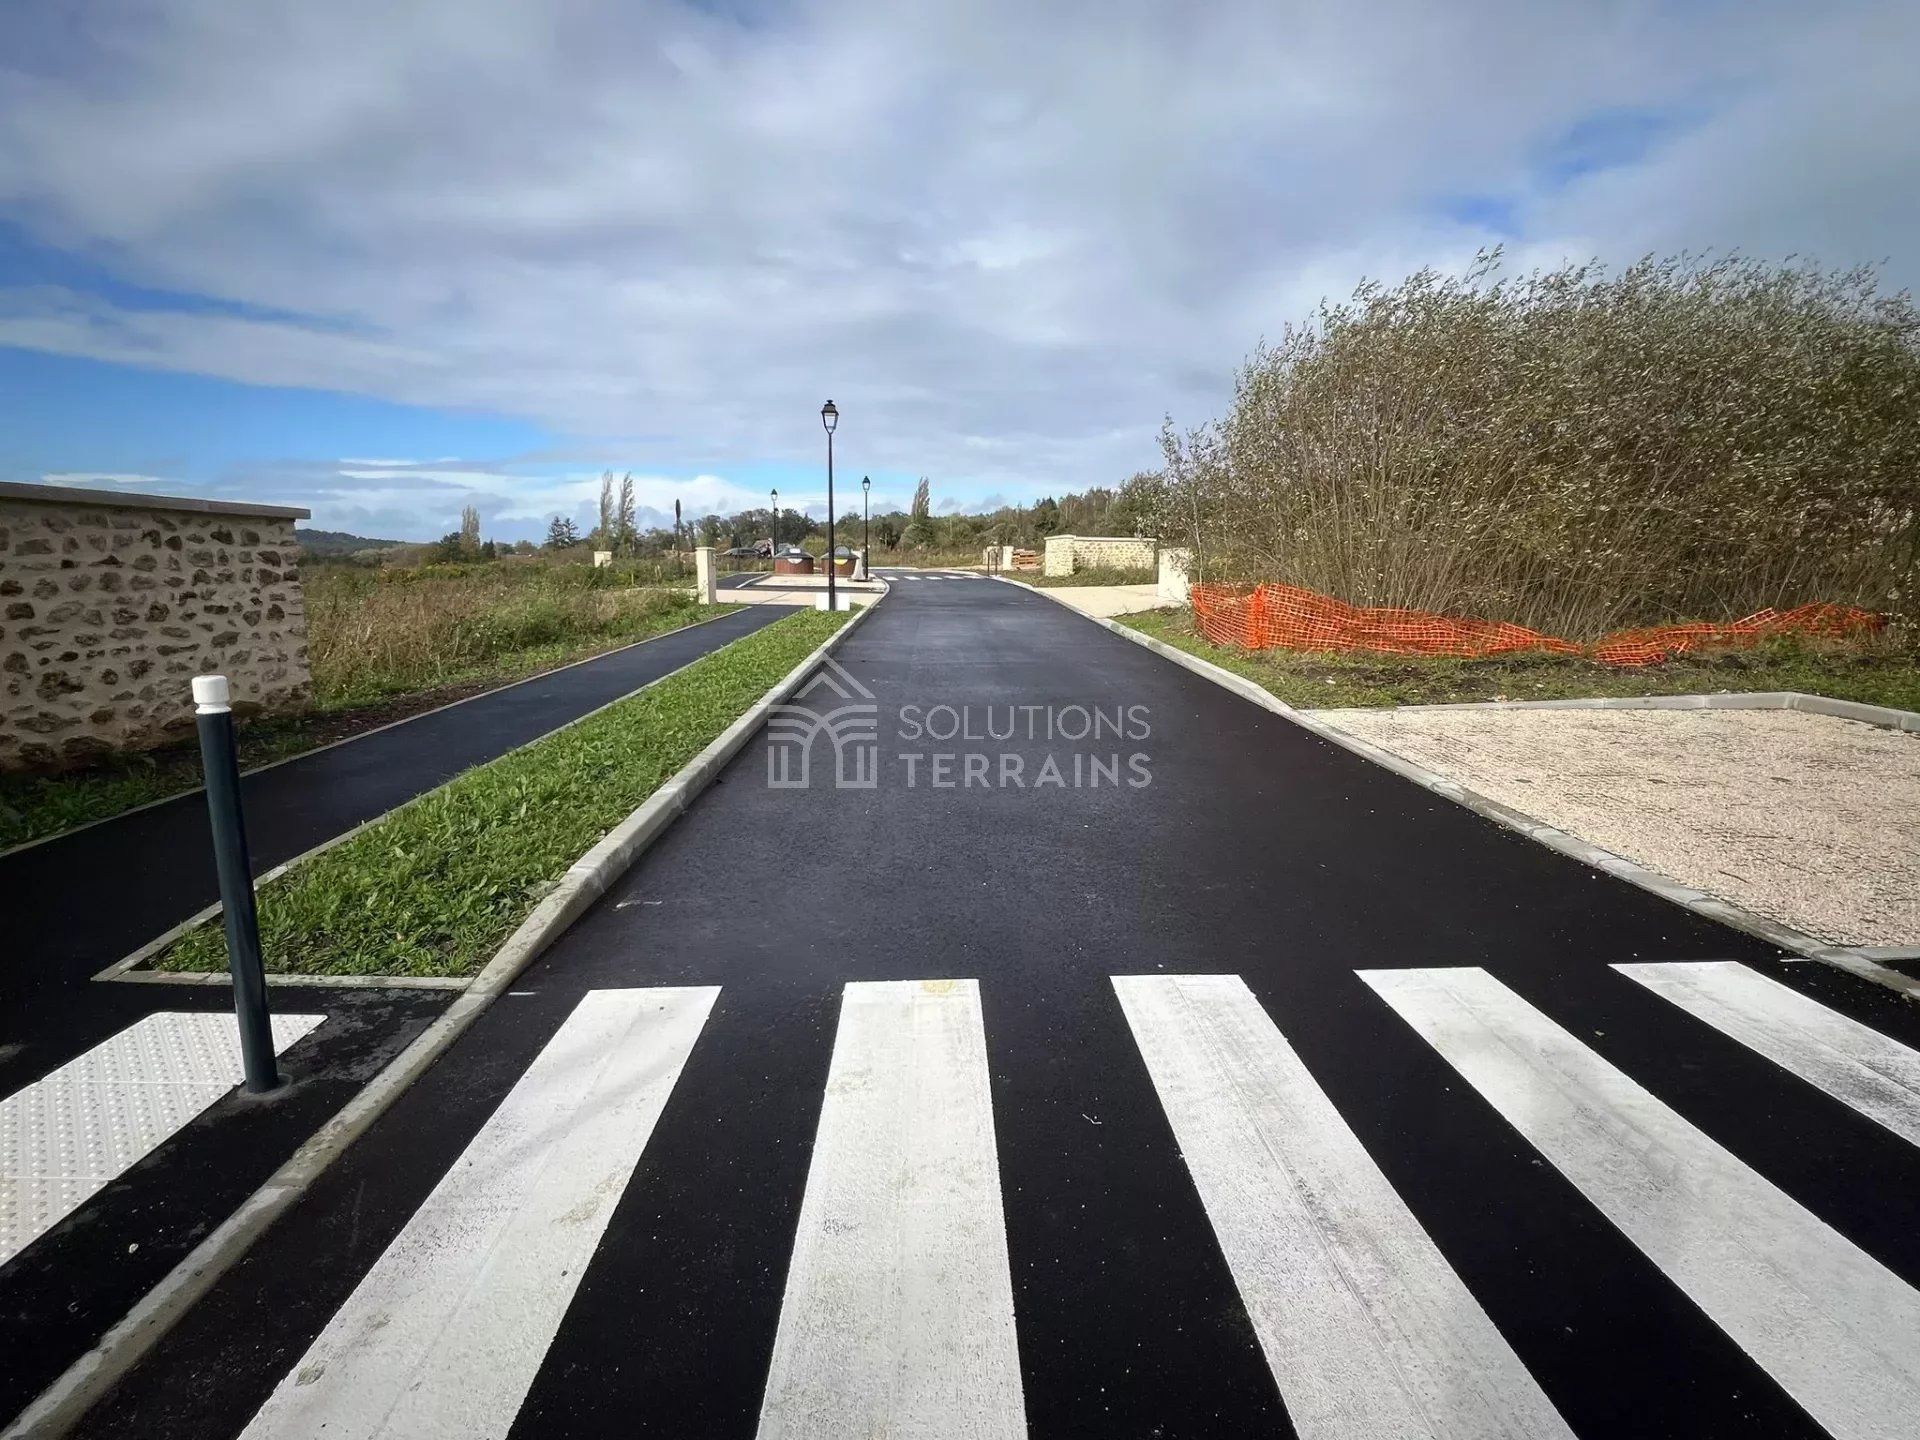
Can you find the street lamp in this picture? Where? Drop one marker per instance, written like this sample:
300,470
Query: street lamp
866,518
773,527
830,417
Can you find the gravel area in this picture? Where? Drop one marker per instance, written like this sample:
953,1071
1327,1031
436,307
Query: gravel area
1811,820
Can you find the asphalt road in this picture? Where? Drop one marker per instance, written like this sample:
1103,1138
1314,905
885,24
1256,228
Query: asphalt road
1430,1150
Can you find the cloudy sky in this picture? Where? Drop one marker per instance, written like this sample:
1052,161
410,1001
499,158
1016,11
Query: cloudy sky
387,257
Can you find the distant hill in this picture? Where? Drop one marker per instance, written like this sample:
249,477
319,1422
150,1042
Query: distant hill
323,544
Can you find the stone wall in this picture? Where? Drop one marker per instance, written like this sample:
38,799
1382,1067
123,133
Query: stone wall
111,603
1069,553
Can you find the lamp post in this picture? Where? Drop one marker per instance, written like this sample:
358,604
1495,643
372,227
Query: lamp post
773,527
830,417
866,524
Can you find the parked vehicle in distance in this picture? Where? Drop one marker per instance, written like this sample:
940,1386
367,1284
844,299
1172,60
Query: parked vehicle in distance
745,552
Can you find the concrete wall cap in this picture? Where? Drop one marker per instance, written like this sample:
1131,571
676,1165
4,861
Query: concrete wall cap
132,500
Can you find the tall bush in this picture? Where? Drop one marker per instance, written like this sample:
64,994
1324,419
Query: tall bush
1574,449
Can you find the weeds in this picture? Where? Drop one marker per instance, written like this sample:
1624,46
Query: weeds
372,633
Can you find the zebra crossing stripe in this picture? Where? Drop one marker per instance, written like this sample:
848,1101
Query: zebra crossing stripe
1853,1063
445,1333
898,1313
1366,1327
1836,1329
67,1135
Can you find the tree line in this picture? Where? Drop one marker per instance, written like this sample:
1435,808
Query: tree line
1098,511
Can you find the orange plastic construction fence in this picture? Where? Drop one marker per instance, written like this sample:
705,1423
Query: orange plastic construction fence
1284,617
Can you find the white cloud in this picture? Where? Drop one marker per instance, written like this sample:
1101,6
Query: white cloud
1005,238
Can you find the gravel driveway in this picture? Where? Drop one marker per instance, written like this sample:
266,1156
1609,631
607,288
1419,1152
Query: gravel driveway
1809,819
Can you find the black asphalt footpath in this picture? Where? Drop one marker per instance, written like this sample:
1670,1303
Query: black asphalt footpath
77,903
1258,849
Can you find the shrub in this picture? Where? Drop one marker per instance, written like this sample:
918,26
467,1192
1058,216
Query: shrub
1573,450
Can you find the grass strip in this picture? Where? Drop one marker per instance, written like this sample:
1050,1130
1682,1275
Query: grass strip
435,887
1872,673
34,807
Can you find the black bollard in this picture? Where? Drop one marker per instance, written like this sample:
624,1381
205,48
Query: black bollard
214,717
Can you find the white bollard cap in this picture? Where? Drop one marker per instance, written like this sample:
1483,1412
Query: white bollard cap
211,695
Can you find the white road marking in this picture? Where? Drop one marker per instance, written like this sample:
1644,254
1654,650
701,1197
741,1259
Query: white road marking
67,1135
898,1314
1853,1063
1367,1329
445,1333
1837,1330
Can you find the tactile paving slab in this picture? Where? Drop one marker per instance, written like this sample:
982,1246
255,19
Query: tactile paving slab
65,1136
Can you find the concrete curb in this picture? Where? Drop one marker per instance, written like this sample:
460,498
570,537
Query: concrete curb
62,1404
1862,962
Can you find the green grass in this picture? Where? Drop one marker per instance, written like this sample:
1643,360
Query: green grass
1874,674
1092,575
33,807
435,887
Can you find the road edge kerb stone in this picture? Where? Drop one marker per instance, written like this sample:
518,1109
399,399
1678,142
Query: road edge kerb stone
1810,947
378,729
66,1401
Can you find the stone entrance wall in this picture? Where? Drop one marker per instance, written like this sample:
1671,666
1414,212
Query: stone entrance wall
1067,554
111,603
